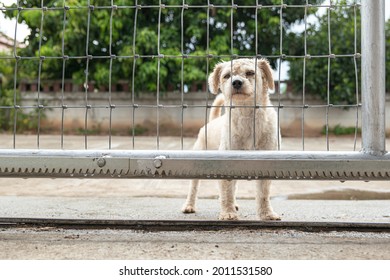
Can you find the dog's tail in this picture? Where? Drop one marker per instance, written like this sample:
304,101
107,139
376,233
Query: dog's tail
216,108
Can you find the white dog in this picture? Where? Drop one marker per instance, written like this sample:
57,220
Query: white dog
243,83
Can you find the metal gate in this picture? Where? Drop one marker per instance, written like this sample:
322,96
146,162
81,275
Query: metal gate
372,162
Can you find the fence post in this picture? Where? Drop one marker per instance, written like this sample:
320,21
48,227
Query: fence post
373,77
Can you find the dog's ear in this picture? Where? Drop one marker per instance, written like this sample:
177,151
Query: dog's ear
266,72
214,78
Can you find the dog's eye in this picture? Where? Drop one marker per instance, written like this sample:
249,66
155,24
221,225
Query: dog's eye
227,76
250,73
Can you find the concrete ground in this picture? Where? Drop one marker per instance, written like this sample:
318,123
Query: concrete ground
236,243
162,199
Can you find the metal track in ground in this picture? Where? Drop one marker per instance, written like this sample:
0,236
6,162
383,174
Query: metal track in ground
191,225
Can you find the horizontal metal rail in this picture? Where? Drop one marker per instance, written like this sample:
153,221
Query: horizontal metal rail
190,225
247,165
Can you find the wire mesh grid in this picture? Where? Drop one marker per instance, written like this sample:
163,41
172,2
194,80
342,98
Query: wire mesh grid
65,12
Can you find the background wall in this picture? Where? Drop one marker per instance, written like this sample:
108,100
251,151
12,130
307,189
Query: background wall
170,114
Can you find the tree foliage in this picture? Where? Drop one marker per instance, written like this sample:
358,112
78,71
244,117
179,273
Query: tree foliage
9,97
6,97
335,80
147,44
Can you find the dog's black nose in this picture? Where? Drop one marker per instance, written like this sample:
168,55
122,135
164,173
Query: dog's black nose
237,84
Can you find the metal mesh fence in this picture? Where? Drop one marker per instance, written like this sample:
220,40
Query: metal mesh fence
44,62
45,58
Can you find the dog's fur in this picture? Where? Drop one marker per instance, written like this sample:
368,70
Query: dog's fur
241,82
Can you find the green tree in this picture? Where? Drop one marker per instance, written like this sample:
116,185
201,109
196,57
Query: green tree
6,93
9,98
94,31
343,72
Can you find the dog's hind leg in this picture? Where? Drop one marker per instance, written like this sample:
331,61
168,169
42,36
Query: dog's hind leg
189,205
227,199
264,208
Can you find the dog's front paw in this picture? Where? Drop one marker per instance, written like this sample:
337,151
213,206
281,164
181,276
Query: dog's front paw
269,216
188,209
228,216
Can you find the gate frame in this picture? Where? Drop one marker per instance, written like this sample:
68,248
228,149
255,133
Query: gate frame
373,77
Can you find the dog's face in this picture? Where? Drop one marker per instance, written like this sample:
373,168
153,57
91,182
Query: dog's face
241,80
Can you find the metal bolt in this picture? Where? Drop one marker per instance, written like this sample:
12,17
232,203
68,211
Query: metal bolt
157,163
101,162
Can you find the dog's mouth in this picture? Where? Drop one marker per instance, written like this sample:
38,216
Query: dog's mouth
239,93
